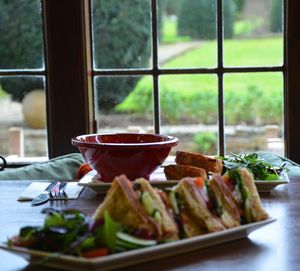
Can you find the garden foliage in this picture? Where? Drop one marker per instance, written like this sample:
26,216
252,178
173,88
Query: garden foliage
276,16
252,104
198,19
121,40
21,44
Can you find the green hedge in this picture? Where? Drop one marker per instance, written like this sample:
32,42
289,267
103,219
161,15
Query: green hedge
122,40
198,19
21,44
276,16
197,103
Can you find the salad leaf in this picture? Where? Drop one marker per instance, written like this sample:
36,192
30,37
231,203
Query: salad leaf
70,232
108,233
66,218
261,169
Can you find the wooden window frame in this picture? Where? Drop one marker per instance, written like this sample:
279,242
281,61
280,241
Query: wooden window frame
69,74
59,136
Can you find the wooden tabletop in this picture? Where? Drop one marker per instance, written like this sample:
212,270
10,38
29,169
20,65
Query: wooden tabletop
274,247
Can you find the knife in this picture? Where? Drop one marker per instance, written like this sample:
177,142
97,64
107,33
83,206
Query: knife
45,195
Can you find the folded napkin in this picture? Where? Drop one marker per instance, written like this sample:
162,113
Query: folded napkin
34,189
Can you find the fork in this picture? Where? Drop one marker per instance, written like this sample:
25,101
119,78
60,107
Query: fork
59,192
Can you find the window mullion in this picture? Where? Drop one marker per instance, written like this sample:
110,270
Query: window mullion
155,69
67,74
292,131
220,71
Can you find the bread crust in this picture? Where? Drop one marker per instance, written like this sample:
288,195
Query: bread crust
196,205
257,211
168,227
177,172
210,164
123,205
230,213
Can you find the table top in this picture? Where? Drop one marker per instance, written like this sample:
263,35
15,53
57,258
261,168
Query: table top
274,247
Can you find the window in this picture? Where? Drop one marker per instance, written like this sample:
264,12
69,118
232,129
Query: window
210,59
22,73
72,78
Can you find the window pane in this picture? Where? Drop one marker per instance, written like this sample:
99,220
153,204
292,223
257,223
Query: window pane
21,43
254,112
189,110
187,33
253,33
121,34
124,103
22,117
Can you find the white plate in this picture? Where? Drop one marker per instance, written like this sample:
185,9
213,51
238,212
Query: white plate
137,256
267,186
158,180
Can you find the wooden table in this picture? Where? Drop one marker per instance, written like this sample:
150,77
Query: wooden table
274,247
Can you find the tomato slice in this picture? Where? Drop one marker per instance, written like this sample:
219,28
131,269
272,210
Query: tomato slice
199,182
19,242
97,252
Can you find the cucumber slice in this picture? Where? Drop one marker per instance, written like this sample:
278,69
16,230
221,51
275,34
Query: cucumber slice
157,216
121,249
247,210
148,203
173,202
135,240
126,245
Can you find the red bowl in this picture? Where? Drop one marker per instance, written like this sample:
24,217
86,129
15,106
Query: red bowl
133,154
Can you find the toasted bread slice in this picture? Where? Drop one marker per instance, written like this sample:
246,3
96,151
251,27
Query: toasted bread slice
178,172
123,205
257,211
251,205
208,163
167,225
195,203
190,227
230,215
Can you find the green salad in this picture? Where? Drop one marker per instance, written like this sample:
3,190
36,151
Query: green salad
261,169
74,233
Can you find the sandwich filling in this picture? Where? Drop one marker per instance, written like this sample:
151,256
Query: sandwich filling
241,194
192,207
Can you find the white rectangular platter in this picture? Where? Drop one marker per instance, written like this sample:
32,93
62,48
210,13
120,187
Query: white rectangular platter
137,256
159,181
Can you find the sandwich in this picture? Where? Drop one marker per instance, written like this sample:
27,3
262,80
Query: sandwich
189,202
139,208
178,172
223,202
210,164
240,181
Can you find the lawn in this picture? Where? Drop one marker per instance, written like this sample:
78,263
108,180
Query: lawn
195,96
2,93
250,52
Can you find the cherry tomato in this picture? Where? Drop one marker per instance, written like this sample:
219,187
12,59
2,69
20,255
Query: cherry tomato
97,252
199,182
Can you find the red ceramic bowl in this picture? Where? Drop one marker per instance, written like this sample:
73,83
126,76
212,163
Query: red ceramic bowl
132,154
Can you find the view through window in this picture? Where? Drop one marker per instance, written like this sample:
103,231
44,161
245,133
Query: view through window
214,77
211,75
22,92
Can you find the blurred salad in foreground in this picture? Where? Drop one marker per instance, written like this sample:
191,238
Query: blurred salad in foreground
69,232
72,232
261,169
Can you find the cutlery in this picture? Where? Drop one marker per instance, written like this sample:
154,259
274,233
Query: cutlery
45,195
59,192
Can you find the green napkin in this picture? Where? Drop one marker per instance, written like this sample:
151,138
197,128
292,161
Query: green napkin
59,168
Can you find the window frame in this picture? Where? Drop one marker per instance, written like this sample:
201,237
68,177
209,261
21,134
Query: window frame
86,122
69,74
